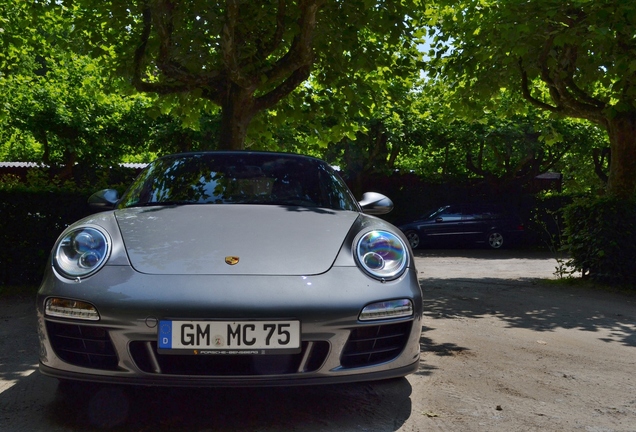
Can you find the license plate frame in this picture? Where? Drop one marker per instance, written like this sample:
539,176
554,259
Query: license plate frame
239,337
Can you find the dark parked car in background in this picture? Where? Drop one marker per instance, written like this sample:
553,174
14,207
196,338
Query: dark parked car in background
465,224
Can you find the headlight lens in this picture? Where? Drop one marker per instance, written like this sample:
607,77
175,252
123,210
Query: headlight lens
81,252
382,254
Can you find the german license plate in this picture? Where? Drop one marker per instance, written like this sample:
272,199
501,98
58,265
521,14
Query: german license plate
228,337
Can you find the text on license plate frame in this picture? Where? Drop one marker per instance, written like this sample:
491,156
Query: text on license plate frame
201,337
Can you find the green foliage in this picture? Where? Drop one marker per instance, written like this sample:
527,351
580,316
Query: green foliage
504,149
65,111
28,29
32,218
34,212
600,237
61,110
363,107
545,225
480,45
59,106
167,134
245,57
572,59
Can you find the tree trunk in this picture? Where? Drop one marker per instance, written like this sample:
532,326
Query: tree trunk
622,174
237,112
41,136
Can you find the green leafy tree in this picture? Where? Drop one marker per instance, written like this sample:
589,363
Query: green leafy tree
242,56
23,32
573,58
56,105
168,134
506,148
62,103
360,121
509,153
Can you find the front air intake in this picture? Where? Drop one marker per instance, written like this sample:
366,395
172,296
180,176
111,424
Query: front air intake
368,346
82,345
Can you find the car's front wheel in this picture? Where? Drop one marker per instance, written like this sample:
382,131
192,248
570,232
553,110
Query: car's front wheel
495,240
413,238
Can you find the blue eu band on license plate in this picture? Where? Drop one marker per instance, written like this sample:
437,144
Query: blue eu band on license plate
225,337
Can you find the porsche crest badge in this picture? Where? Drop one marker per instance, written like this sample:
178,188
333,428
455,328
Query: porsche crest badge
231,260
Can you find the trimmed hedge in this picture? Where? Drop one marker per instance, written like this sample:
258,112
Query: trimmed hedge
31,219
600,237
36,206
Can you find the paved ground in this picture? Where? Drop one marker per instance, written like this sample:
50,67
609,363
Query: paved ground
502,350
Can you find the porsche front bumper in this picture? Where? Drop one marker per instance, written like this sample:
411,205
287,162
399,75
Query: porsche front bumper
121,347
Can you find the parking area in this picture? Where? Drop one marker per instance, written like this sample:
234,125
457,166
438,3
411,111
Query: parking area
502,349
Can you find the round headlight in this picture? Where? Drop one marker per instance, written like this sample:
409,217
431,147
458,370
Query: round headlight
81,252
382,254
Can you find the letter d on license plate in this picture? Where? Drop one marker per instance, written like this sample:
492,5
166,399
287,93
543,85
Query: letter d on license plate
224,337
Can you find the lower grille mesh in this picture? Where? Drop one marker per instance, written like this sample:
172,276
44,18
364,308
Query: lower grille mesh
372,345
82,345
313,354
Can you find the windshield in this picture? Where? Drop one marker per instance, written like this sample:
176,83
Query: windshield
239,178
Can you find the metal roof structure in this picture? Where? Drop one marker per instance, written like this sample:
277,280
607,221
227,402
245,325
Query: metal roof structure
41,165
21,165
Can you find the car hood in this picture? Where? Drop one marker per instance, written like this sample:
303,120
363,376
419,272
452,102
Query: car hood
266,239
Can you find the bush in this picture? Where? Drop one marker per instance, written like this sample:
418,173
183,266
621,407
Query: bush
31,222
33,214
600,237
544,216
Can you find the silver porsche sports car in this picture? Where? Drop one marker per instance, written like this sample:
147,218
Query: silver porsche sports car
231,269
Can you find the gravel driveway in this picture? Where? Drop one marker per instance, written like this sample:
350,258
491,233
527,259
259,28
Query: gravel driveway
502,350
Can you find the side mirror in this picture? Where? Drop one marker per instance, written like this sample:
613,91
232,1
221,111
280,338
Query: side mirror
374,203
105,199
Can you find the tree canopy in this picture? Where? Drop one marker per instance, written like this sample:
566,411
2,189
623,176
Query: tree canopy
241,56
65,108
64,99
572,58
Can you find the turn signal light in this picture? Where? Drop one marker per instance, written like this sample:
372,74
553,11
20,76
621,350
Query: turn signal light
387,309
65,308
